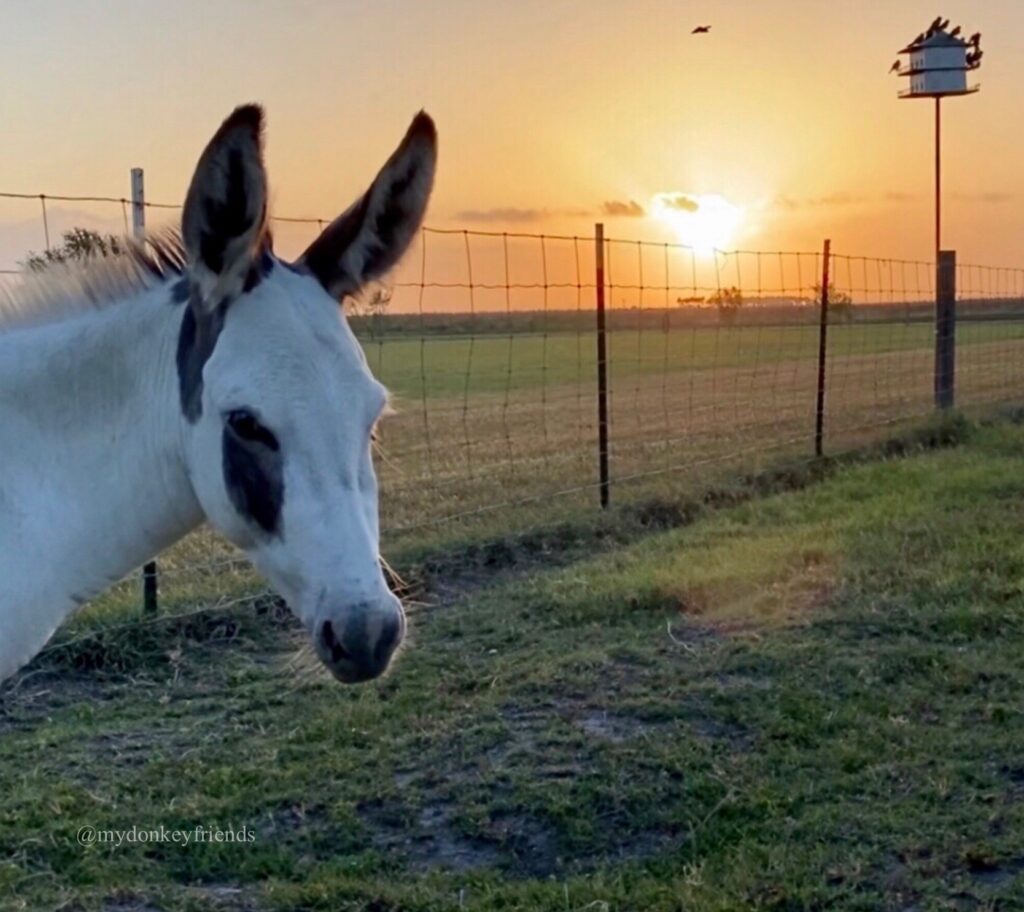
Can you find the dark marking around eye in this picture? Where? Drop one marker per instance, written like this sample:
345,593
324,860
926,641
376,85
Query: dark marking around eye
254,478
244,425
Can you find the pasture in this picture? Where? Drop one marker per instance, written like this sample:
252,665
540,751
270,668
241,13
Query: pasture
799,693
483,421
498,432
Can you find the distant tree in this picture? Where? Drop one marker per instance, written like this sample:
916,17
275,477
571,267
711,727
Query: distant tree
78,245
728,301
840,304
372,308
690,301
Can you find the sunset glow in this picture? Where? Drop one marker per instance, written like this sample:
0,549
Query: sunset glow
705,222
588,113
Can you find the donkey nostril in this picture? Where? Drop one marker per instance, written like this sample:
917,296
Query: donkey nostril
330,641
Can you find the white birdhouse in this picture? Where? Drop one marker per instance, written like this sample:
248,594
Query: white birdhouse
938,66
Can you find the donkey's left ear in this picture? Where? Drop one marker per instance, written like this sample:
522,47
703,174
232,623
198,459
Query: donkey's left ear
224,223
371,236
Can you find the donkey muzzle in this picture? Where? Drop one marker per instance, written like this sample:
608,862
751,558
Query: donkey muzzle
357,643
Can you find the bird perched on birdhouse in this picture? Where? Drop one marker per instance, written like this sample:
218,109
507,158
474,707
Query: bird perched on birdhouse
939,61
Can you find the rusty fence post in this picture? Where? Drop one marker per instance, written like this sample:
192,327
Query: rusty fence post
150,603
602,369
819,410
945,330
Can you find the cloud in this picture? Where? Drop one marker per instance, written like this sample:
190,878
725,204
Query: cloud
502,214
515,215
679,201
631,209
837,199
990,196
831,201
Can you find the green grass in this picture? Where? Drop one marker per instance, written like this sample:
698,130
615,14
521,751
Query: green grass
806,700
438,367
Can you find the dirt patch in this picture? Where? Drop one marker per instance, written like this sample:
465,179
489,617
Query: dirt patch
994,873
129,904
738,737
426,839
27,699
531,845
605,726
222,898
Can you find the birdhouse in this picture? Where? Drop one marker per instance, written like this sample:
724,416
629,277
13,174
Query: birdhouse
938,65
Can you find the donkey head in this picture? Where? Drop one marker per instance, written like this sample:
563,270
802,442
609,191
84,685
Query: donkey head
278,405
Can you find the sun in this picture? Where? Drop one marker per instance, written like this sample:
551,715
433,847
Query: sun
706,222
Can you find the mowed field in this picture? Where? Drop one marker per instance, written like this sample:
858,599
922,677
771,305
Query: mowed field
806,697
487,421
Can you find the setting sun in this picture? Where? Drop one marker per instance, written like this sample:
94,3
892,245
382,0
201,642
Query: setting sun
704,222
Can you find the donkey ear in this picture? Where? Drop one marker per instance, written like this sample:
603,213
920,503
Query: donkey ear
223,225
371,236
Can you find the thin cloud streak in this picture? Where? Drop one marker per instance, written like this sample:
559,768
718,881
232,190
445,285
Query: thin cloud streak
618,208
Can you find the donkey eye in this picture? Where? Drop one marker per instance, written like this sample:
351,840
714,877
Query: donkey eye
244,425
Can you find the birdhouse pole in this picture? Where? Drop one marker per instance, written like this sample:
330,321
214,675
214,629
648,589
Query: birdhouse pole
938,176
939,61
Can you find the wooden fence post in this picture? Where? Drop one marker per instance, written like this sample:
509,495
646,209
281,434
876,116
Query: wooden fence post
602,369
149,572
945,330
819,411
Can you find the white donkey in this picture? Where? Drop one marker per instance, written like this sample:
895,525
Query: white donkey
204,378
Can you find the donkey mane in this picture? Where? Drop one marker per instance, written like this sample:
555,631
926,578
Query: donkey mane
62,291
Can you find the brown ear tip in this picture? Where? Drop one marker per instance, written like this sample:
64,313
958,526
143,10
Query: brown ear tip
423,127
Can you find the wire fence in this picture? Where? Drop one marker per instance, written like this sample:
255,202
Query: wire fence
715,364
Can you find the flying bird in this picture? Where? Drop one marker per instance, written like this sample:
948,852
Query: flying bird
701,30
895,68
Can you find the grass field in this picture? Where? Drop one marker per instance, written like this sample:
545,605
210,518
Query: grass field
798,699
437,367
487,421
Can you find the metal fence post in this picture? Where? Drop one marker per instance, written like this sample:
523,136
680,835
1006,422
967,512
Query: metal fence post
149,571
602,367
819,411
945,330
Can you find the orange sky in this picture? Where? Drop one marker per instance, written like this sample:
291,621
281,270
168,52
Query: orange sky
546,108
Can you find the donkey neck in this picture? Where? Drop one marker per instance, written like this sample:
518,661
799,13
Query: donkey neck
92,475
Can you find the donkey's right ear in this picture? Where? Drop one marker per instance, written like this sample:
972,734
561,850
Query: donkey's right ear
223,225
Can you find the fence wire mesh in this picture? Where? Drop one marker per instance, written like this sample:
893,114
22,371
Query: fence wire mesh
487,342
